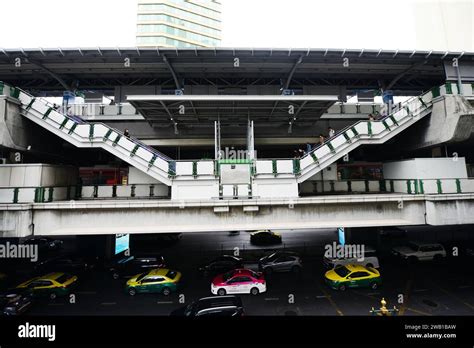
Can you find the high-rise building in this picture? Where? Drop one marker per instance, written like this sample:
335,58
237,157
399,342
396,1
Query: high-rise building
179,23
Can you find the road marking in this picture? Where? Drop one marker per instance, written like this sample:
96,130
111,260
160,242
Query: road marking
331,301
108,303
419,312
86,292
165,302
365,295
272,299
464,286
449,293
321,296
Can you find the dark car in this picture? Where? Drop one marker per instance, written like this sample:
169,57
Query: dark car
222,306
221,264
169,237
265,237
131,265
462,251
392,232
45,243
469,252
282,261
15,301
70,264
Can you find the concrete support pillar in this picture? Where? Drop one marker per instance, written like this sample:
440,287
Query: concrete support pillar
96,246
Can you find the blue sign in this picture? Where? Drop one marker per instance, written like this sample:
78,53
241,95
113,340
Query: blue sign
122,243
387,97
68,97
342,236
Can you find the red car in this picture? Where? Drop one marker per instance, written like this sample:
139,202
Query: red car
239,281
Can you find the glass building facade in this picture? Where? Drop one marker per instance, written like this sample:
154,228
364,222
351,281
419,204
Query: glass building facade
179,23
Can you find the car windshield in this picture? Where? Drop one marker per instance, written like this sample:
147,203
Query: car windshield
254,274
62,279
272,257
171,274
141,276
228,275
341,271
125,260
189,309
412,246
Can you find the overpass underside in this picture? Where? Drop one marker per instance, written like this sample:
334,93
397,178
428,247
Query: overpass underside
140,216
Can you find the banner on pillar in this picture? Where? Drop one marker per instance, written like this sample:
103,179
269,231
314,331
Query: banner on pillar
341,235
122,243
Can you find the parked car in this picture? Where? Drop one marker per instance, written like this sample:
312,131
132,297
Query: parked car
15,301
416,251
281,261
469,252
168,238
221,264
221,306
160,280
392,232
69,264
265,237
369,259
353,276
131,265
239,281
45,243
51,285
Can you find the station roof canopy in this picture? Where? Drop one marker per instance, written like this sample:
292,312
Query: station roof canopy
196,110
104,68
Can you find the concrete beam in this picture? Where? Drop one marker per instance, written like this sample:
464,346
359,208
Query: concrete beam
146,216
447,210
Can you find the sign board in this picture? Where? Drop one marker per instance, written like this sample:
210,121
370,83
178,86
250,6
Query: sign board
122,243
234,174
387,97
342,236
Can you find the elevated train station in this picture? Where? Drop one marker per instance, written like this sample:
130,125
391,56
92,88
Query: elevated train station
235,132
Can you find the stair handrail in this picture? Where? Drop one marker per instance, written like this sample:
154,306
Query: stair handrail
407,102
134,140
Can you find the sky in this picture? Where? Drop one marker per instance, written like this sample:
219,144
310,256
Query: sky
369,24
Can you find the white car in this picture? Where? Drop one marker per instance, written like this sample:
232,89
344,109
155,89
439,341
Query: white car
369,259
239,281
415,251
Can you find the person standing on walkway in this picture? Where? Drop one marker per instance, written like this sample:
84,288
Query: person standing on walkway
331,132
321,139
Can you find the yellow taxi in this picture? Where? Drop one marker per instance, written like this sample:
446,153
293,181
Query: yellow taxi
51,285
158,280
353,276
